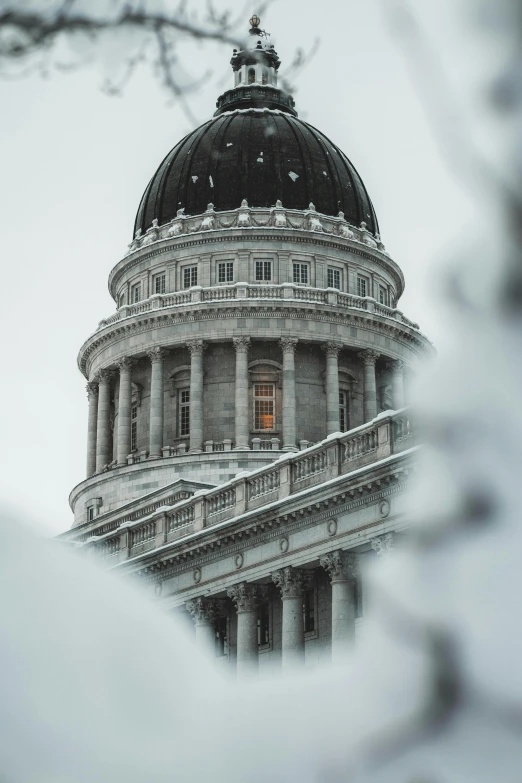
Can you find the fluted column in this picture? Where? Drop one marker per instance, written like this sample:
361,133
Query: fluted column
242,429
156,356
124,411
291,582
246,598
92,424
204,612
104,419
341,567
196,349
332,387
370,385
397,369
288,346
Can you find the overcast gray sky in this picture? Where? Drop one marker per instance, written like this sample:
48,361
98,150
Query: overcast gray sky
74,164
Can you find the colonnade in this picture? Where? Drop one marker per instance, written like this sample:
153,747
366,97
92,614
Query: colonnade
291,583
99,453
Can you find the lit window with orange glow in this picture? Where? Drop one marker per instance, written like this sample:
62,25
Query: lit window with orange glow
264,406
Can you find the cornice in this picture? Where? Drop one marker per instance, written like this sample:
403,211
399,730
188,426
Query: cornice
206,311
155,567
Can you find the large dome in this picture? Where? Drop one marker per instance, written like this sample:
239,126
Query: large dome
258,154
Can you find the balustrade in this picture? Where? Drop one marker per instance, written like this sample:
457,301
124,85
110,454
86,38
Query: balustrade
143,533
181,518
309,465
263,484
380,439
221,501
362,443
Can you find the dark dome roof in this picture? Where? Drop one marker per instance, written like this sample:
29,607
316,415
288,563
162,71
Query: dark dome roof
254,154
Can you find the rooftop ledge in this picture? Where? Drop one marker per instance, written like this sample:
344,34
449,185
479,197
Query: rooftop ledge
374,444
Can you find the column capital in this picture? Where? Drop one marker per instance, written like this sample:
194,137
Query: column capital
291,581
383,545
396,365
206,610
369,356
241,344
92,389
288,344
157,354
196,347
332,349
125,363
247,596
341,566
104,376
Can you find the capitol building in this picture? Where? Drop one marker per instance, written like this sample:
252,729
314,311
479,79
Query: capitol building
249,443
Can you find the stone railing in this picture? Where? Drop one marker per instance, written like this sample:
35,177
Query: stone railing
390,433
330,297
218,445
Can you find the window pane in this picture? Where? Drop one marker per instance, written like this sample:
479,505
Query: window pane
264,394
184,412
343,411
334,278
263,270
190,276
309,611
361,286
383,295
159,284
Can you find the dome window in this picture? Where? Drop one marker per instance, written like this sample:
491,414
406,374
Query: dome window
251,75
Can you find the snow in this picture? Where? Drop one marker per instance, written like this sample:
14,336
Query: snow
211,181
293,176
195,178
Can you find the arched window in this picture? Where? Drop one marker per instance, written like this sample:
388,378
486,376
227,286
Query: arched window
240,77
251,75
265,76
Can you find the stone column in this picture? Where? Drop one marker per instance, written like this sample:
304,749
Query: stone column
196,349
291,582
288,346
92,396
242,429
370,386
332,387
124,411
342,568
156,356
103,432
204,612
246,598
397,369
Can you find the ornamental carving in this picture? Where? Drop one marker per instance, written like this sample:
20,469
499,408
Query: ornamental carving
383,545
206,610
92,390
104,376
241,344
247,597
288,344
125,363
332,349
157,354
369,357
196,347
341,566
291,581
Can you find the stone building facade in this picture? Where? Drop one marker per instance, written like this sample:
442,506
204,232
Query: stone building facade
248,441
